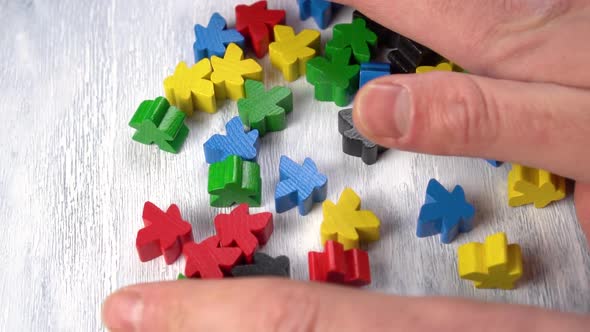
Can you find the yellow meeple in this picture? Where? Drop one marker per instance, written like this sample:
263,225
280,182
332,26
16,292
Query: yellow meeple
346,224
231,71
290,53
528,185
190,89
493,264
443,66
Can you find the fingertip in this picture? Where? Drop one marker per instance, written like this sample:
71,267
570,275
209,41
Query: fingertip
383,111
356,111
122,311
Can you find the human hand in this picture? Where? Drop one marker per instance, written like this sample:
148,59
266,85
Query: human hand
530,105
280,305
526,101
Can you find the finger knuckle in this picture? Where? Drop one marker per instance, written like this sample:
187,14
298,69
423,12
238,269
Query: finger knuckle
480,118
509,33
460,114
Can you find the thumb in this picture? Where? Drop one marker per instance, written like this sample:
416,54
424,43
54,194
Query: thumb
281,305
539,125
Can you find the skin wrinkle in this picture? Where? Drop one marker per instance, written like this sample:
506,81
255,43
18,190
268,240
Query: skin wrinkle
502,49
448,118
496,51
541,123
477,108
465,113
457,114
530,124
581,126
516,36
534,14
537,122
481,20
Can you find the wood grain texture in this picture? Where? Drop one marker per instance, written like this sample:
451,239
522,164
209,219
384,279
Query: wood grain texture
73,183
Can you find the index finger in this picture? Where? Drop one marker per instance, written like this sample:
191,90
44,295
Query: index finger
283,305
467,32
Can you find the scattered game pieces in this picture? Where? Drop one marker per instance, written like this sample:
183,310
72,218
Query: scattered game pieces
290,53
264,265
158,122
234,175
230,72
353,143
256,22
263,110
355,36
234,180
334,80
443,66
373,70
206,260
336,265
407,55
236,142
494,163
528,185
300,185
163,234
213,39
346,223
493,264
447,213
190,89
320,10
243,230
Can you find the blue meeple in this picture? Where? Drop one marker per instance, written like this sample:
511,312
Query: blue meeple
447,213
236,142
300,185
494,163
213,39
373,70
320,10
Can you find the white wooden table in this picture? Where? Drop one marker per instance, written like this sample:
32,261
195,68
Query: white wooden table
73,183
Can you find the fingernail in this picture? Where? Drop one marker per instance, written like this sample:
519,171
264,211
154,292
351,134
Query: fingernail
385,110
122,311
